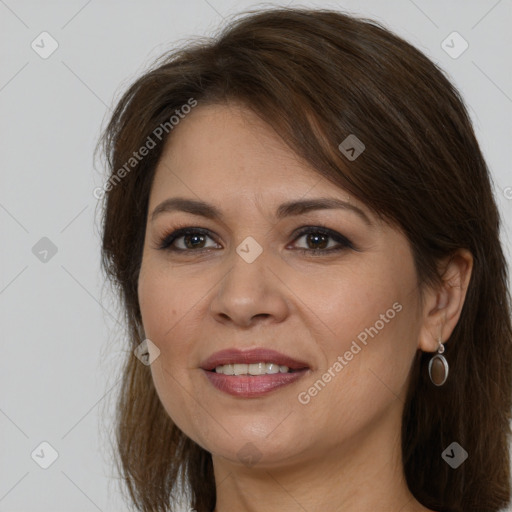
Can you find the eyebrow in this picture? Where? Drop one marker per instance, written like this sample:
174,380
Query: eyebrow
287,209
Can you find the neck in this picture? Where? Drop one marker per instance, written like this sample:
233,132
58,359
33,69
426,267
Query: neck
362,474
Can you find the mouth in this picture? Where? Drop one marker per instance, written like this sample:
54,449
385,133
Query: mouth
260,368
252,373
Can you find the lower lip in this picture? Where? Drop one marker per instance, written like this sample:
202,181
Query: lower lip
250,386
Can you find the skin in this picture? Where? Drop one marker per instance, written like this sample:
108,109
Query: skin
340,451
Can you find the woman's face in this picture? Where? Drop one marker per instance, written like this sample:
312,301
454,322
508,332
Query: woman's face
249,279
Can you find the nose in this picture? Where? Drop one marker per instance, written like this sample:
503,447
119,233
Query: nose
250,293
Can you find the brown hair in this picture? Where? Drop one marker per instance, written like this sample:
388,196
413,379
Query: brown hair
317,76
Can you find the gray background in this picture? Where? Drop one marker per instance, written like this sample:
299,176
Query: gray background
61,337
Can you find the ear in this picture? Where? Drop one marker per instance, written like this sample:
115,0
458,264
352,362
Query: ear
442,306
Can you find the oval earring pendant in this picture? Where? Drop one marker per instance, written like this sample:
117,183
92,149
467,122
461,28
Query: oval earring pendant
438,370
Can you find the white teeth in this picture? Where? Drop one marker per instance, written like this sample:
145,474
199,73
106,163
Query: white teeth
257,369
272,368
240,369
228,369
251,369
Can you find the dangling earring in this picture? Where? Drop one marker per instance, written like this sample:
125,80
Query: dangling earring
438,367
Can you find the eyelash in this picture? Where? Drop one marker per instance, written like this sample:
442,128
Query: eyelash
344,243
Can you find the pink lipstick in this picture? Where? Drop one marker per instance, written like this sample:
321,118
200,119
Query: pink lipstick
252,373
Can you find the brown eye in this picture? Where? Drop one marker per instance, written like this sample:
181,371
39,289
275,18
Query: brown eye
317,240
193,240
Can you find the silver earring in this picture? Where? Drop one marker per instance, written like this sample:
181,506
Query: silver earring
438,367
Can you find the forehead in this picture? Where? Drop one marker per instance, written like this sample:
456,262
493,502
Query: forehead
220,148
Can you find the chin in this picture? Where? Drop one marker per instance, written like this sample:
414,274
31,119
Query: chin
254,444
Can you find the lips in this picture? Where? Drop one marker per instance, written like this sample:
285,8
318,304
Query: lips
246,386
235,356
252,386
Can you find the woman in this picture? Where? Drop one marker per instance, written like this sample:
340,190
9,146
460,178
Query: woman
302,230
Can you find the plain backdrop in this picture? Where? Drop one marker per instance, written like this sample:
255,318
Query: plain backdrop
62,342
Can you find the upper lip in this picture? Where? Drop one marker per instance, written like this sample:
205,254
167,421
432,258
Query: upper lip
256,355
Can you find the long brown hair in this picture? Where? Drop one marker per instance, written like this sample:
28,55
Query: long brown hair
316,76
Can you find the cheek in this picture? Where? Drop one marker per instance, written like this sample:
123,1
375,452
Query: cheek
365,377
169,387
368,318
165,311
346,301
164,304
